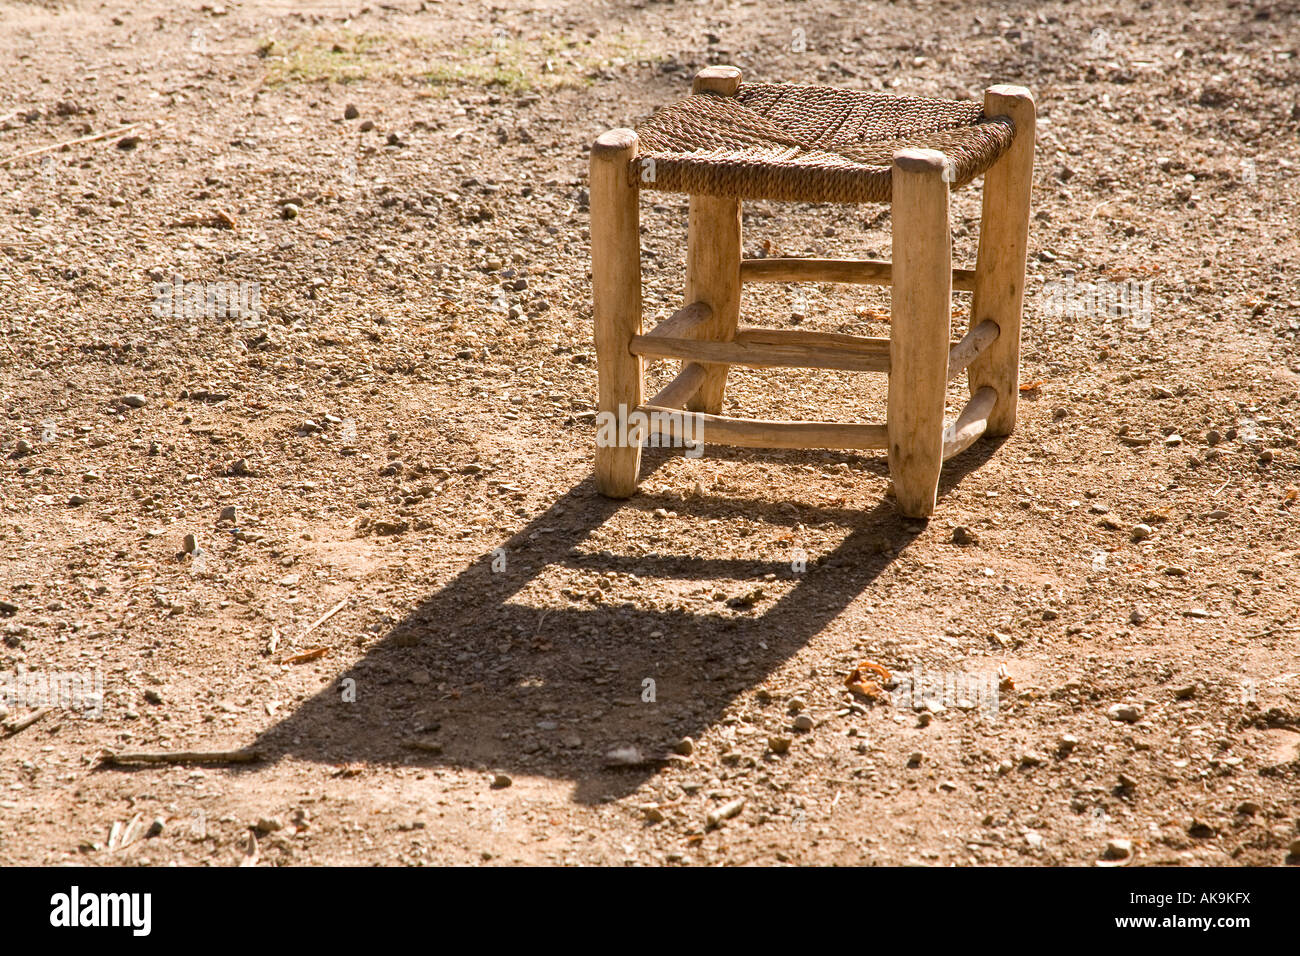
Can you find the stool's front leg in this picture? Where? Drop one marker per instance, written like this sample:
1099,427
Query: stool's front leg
1000,261
921,303
616,294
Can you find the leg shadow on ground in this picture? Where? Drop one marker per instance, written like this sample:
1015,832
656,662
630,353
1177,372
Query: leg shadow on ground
485,675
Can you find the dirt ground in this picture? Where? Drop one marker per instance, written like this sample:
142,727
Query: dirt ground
399,430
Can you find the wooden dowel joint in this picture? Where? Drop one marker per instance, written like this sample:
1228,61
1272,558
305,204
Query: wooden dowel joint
971,346
971,423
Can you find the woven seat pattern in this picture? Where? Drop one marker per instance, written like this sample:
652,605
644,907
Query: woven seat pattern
808,143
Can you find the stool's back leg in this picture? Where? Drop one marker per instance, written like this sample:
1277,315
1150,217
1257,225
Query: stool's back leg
921,304
713,256
616,294
1000,262
713,276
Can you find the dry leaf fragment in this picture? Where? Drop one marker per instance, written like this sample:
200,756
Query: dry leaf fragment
1005,681
877,669
858,683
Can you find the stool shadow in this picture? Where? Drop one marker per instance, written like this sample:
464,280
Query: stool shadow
477,677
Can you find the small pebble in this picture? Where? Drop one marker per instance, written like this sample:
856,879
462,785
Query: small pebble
1128,713
1117,850
962,535
724,812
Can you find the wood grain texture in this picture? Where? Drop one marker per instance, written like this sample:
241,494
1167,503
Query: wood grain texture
685,426
616,295
681,389
855,271
972,345
1000,262
970,424
773,348
921,303
713,255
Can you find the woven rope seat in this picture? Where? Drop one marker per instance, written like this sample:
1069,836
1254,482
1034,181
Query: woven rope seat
808,143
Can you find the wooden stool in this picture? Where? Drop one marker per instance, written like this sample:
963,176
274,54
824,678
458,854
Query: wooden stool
727,142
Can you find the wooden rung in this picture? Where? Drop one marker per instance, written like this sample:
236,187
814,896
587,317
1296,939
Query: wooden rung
970,424
773,348
682,388
683,427
860,271
686,323
972,344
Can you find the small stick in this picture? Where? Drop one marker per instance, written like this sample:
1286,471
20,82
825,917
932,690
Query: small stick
181,756
324,617
14,726
70,142
275,640
1272,630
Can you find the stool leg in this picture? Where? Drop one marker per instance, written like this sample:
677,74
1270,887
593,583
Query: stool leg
1000,262
713,276
616,295
713,256
921,303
